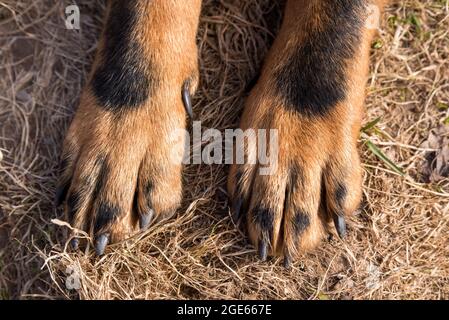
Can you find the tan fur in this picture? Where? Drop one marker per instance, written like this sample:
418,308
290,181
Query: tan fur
324,147
138,143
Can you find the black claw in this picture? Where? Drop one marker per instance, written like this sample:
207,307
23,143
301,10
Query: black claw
101,243
340,225
263,250
236,208
287,261
145,220
186,99
74,243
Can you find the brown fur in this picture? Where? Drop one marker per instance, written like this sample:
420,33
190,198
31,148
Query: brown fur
317,154
325,148
137,143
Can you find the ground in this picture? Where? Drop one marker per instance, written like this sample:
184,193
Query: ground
397,246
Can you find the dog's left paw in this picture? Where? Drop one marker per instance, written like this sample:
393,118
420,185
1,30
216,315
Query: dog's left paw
311,91
313,175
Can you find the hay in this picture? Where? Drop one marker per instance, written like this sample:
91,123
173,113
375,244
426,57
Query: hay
397,248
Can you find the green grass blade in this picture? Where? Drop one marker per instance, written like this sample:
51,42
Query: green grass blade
371,124
378,153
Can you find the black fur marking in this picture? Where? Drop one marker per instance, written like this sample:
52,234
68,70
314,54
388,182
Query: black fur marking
296,178
73,202
106,215
301,222
63,186
102,176
264,218
61,192
147,189
340,195
313,79
236,209
122,80
136,207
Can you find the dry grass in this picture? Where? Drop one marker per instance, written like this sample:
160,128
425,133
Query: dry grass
398,246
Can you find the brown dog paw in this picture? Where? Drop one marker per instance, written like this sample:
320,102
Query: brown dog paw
311,92
122,157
